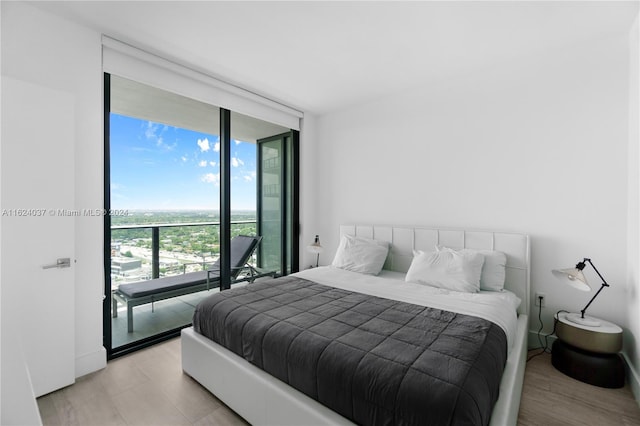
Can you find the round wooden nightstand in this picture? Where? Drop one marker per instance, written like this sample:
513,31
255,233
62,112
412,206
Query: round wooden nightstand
587,353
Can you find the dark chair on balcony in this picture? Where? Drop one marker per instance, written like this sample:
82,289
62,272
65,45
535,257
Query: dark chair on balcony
150,291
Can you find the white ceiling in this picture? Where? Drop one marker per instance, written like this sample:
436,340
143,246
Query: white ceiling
323,56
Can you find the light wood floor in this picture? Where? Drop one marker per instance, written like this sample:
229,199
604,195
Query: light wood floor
144,388
149,388
550,398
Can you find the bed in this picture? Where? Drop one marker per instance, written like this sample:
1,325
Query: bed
261,398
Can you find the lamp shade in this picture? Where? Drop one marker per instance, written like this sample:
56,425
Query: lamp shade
572,276
315,247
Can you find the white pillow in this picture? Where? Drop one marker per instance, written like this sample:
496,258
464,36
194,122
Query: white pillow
493,270
359,254
448,269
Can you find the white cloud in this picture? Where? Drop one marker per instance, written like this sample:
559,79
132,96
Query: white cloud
150,133
154,131
211,178
212,163
184,158
117,195
249,177
236,162
237,142
204,144
216,147
203,163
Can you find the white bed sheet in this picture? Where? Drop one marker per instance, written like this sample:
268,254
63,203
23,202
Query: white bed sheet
497,307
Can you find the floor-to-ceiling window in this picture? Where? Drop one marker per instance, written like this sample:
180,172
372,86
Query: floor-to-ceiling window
164,182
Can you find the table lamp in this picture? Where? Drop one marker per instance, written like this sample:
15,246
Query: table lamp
575,278
316,248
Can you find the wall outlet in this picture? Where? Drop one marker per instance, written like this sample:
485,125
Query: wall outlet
539,302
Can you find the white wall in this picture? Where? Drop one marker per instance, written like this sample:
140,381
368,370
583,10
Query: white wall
18,405
537,145
40,48
309,169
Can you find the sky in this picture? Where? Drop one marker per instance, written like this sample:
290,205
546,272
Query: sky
159,167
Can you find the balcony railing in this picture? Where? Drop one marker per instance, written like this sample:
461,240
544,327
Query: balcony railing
155,240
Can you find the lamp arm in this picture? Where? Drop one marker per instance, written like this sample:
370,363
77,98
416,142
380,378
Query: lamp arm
604,284
592,299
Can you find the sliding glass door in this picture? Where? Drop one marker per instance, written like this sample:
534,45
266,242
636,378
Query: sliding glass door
181,178
278,202
163,190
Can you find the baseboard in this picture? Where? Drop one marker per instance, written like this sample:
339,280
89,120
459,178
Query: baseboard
534,343
632,378
88,363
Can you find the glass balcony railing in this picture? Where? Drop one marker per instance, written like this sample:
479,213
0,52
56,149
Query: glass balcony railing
148,251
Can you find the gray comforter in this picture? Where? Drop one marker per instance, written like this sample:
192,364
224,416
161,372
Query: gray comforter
372,360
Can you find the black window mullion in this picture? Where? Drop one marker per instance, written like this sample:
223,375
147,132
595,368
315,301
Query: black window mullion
260,256
295,201
283,207
106,304
225,199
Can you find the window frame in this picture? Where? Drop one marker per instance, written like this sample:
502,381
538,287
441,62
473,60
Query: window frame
225,222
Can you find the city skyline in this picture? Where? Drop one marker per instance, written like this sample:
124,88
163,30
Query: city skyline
156,167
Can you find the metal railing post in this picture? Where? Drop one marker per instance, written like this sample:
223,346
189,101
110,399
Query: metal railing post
155,252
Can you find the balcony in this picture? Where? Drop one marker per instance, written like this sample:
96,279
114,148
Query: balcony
143,252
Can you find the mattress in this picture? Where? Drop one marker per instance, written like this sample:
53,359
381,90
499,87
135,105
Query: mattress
499,307
372,359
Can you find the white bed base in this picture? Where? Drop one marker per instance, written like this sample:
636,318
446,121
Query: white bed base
262,399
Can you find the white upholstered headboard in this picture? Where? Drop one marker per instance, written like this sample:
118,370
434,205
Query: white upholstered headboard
404,240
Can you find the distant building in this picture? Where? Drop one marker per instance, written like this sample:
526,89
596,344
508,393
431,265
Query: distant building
120,265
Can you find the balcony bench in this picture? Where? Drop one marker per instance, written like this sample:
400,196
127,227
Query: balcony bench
154,290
